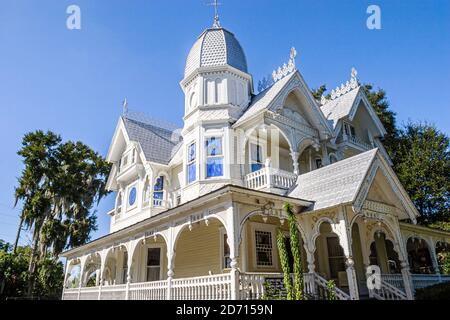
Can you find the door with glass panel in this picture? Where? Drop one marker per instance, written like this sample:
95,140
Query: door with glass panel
153,264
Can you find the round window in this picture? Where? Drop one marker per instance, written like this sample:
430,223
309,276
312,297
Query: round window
132,196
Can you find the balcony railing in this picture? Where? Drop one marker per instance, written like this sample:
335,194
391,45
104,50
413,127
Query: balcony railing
268,178
357,142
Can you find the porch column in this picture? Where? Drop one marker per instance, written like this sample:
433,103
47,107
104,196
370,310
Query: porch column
407,280
233,242
434,259
83,260
103,256
342,229
295,156
170,273
129,262
352,279
311,272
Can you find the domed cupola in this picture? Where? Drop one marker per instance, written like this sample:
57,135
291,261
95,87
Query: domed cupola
216,75
216,47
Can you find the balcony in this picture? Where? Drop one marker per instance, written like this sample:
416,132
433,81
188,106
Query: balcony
269,179
356,142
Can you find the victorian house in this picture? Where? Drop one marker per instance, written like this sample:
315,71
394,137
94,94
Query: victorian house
198,208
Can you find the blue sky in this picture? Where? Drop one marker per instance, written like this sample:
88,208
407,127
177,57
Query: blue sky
73,82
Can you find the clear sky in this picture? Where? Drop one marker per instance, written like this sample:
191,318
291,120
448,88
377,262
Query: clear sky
73,81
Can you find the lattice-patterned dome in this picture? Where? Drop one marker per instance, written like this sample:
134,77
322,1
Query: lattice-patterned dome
216,47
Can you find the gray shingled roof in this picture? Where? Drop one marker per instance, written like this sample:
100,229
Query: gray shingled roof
216,47
334,184
158,144
262,100
340,107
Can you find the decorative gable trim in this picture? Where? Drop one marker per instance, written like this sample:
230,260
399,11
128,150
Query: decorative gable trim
379,163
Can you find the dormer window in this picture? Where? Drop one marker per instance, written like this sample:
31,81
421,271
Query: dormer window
214,157
191,163
318,163
158,192
349,130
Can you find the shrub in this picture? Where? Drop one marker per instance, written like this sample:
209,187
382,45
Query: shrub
439,291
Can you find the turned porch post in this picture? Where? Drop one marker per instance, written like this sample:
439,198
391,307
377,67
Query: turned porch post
345,238
170,260
83,260
295,156
311,272
233,242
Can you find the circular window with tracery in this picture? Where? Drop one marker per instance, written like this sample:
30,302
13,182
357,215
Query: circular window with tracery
132,196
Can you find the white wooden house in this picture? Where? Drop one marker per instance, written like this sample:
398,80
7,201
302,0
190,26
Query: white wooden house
197,209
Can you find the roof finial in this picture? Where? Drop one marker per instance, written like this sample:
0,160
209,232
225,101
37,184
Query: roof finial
125,107
216,13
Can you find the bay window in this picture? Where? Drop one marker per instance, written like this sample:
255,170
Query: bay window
214,157
158,192
191,163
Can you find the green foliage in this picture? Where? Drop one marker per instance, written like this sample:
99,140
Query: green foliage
331,290
422,164
14,274
59,185
379,102
270,293
284,259
437,292
444,262
295,249
317,93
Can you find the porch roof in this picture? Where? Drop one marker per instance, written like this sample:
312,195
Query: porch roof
139,227
334,184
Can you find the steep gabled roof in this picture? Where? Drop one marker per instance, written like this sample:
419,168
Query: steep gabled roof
334,184
348,182
158,144
263,99
339,108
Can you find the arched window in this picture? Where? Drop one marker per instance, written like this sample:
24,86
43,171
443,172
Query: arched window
147,193
119,203
318,163
333,159
218,91
158,192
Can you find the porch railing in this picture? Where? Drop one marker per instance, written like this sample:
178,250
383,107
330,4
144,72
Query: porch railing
425,280
270,178
214,287
154,290
388,292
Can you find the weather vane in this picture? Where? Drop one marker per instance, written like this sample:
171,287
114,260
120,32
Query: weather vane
216,13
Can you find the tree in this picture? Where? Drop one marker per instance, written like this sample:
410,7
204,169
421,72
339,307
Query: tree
59,185
317,93
379,102
422,163
14,274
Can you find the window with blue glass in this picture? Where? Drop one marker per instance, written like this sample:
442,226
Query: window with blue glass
214,157
256,158
158,192
191,163
132,196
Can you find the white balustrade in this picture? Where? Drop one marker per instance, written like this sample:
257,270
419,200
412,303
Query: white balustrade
425,280
322,286
395,280
154,290
270,178
214,287
388,292
116,292
90,293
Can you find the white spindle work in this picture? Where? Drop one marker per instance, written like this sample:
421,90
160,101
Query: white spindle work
214,287
154,290
270,178
388,292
